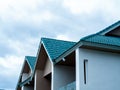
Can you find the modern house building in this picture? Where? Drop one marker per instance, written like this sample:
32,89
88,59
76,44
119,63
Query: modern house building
93,63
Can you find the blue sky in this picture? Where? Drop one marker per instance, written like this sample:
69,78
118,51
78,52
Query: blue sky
24,22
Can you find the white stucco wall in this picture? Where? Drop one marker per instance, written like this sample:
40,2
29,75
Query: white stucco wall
41,83
62,75
48,67
103,70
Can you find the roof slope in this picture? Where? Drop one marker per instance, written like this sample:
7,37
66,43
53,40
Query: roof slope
108,40
101,38
31,61
56,47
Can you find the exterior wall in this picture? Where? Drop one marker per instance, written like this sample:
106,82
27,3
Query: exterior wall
27,88
48,67
78,75
103,70
62,75
41,83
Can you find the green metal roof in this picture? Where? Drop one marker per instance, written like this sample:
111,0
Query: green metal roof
31,61
108,40
56,47
101,38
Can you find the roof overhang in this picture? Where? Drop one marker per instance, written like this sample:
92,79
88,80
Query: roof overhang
102,47
89,45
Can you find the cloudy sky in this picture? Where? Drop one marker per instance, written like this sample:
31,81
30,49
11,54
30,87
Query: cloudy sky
24,22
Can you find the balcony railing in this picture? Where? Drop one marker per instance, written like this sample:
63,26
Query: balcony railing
71,86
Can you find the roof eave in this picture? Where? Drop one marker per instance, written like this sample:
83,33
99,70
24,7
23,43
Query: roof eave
99,46
29,65
90,45
47,52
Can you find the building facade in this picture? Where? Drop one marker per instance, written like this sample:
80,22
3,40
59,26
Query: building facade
93,63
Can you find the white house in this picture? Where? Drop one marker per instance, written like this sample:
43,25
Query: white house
93,63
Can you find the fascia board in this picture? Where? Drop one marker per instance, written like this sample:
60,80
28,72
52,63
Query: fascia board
29,65
20,74
39,48
47,53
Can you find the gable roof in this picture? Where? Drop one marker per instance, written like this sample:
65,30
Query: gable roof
56,47
31,61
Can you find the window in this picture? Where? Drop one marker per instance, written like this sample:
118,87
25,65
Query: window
85,70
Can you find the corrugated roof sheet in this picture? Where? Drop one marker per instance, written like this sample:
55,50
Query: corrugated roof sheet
56,47
108,40
31,61
101,38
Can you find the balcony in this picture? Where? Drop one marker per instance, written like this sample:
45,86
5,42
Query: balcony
71,86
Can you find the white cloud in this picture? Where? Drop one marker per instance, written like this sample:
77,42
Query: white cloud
63,37
10,65
109,7
80,6
25,11
26,47
38,18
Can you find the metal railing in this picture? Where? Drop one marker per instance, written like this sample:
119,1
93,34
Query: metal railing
71,86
